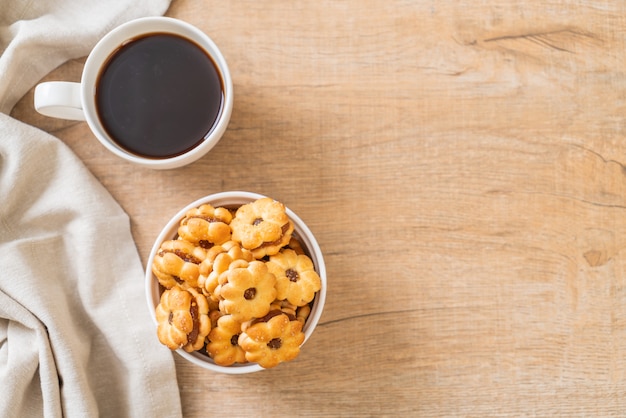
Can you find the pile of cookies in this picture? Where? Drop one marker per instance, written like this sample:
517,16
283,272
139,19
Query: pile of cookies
237,285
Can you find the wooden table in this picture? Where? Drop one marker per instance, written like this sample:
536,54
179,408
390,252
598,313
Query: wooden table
462,166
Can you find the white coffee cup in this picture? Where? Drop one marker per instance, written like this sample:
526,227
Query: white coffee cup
77,101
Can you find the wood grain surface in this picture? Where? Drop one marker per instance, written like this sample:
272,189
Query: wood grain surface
461,164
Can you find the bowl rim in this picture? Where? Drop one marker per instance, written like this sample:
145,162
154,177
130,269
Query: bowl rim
231,198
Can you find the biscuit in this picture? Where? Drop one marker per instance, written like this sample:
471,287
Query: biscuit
285,307
214,314
206,226
182,317
217,261
295,245
272,342
262,227
176,264
223,346
248,290
296,278
302,313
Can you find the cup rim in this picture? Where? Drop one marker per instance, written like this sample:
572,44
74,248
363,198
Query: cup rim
110,42
236,198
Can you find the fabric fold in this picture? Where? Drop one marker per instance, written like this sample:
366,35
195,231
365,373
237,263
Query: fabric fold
76,339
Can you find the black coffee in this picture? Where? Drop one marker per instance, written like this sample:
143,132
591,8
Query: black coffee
159,95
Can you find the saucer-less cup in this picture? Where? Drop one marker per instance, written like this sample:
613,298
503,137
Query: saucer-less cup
233,200
143,97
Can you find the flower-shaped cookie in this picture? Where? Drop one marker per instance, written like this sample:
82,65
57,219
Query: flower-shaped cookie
206,226
247,290
223,346
285,307
217,261
302,313
183,320
272,342
176,263
262,227
296,278
295,245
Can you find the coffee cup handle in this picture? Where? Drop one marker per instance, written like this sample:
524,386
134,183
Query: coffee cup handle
59,99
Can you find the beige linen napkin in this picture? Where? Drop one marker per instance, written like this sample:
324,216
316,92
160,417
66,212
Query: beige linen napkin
76,339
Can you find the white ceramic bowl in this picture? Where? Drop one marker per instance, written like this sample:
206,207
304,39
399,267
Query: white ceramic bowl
236,199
